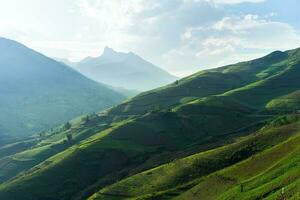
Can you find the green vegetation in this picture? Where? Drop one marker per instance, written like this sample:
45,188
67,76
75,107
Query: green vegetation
290,102
205,83
189,174
215,134
20,156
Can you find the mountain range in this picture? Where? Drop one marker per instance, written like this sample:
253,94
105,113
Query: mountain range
226,133
125,70
37,92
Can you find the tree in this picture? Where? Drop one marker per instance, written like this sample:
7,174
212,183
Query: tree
67,126
85,119
94,115
242,187
42,134
69,137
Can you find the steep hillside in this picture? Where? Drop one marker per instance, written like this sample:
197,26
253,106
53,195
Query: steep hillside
38,93
206,83
204,115
265,175
260,93
202,175
288,102
125,70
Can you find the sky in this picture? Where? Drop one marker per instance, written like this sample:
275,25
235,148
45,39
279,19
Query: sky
180,36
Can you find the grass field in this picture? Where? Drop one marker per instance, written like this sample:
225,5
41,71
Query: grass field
197,176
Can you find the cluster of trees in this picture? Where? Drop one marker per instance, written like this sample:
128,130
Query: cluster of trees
67,126
87,118
69,137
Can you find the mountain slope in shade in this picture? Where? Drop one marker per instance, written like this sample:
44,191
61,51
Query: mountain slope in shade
125,70
65,61
37,92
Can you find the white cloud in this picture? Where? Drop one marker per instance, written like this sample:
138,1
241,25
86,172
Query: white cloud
217,2
118,23
216,46
68,49
113,12
230,40
183,36
238,24
10,29
256,32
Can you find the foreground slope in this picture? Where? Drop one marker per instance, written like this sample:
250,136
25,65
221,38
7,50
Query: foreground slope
37,92
208,175
201,112
263,176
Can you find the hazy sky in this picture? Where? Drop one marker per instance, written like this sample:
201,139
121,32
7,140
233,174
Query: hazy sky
181,36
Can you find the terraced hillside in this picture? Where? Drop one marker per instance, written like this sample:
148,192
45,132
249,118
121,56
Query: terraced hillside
207,123
209,174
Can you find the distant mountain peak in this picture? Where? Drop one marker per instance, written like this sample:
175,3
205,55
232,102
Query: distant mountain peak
48,87
121,69
110,53
108,50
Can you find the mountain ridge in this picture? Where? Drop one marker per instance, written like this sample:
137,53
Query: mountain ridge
31,83
126,70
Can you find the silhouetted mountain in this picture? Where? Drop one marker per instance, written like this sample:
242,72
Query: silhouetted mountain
37,92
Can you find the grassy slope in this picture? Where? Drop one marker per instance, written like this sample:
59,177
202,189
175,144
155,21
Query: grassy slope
173,178
258,177
20,156
205,83
17,146
152,139
273,85
260,93
288,102
106,154
281,176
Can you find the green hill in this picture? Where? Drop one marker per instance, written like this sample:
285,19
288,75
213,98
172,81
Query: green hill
37,93
206,83
203,124
263,176
288,102
201,176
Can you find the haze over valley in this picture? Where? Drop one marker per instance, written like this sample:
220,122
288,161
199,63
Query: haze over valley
125,70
